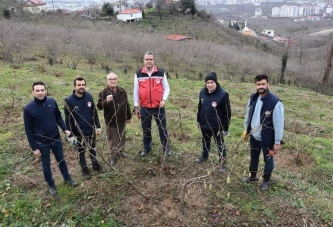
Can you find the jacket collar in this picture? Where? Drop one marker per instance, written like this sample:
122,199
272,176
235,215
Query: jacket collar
144,70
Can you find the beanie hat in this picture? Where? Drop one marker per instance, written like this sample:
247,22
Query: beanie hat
211,76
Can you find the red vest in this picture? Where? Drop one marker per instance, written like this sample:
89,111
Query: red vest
150,88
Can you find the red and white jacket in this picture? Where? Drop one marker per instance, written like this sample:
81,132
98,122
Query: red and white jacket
150,88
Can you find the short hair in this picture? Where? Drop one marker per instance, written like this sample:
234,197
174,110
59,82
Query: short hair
111,73
261,77
80,78
38,83
149,53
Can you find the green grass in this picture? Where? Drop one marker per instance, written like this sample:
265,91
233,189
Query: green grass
304,188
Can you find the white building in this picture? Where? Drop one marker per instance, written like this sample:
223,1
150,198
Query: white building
275,11
268,33
258,12
34,6
130,15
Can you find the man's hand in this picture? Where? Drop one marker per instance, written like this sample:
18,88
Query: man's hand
128,121
98,131
276,147
162,103
137,112
68,133
109,98
244,136
225,133
37,153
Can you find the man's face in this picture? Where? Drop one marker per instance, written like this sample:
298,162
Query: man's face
80,87
112,80
262,87
148,61
39,92
211,86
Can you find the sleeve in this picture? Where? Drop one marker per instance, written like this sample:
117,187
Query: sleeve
59,119
136,91
278,121
166,88
28,126
199,110
96,118
226,112
101,103
67,114
128,112
246,120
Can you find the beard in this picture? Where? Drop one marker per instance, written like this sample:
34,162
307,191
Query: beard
80,91
262,91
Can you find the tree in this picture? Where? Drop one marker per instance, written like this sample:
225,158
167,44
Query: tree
107,9
6,14
329,59
160,4
284,61
188,4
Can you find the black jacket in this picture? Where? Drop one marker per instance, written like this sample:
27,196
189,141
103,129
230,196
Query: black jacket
80,114
214,112
41,120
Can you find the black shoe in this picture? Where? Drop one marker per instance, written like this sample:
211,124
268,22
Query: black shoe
113,161
249,179
201,160
144,153
53,190
264,186
72,183
167,153
97,167
122,154
85,173
222,169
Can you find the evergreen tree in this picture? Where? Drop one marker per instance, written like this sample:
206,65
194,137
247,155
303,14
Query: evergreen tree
6,14
107,9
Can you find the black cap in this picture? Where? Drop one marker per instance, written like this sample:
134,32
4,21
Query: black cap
211,76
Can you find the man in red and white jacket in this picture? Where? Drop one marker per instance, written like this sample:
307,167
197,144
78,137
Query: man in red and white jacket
151,90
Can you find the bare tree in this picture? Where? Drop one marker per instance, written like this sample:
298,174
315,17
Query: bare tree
329,59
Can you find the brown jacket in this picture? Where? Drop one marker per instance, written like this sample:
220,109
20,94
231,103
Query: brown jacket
116,111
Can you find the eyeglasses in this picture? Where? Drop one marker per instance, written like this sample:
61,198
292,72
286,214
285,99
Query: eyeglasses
149,59
112,78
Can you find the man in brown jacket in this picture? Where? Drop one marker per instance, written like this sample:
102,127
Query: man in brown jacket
113,101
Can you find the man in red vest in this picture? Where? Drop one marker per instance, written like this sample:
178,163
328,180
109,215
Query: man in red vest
151,90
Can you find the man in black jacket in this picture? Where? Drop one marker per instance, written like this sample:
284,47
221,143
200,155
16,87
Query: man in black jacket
41,120
114,103
213,118
82,119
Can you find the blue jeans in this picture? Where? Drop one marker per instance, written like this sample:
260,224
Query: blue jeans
160,118
58,152
255,150
206,142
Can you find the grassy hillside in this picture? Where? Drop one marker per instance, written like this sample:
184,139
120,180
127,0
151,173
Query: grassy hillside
148,191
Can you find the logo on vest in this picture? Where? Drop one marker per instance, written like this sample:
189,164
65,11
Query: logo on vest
158,81
267,113
214,104
89,104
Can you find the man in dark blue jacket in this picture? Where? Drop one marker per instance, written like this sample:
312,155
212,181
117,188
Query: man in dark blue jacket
213,118
41,120
264,123
82,119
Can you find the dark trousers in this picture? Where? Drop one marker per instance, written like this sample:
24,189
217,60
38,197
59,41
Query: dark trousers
160,118
86,143
255,150
207,135
58,152
116,137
